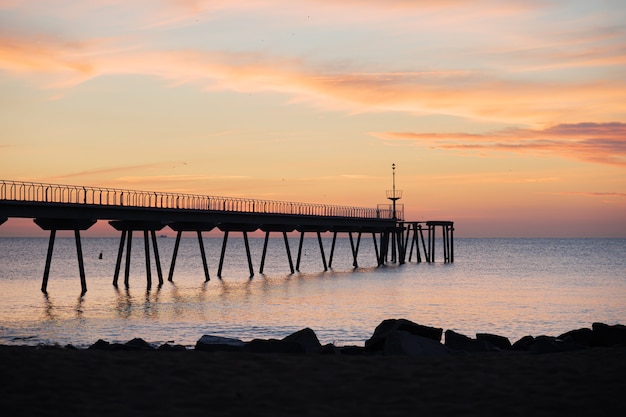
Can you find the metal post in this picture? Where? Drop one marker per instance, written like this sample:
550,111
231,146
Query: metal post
267,238
299,251
288,251
354,263
46,271
219,269
245,239
157,258
332,250
412,243
129,239
146,245
319,239
81,265
426,252
432,247
205,265
171,274
119,258
376,249
452,243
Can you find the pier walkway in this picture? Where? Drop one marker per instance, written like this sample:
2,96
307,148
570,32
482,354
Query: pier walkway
76,208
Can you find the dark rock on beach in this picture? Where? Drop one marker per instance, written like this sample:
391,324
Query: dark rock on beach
460,342
209,343
306,339
138,344
171,348
272,346
500,342
386,327
582,337
134,344
606,335
523,344
404,343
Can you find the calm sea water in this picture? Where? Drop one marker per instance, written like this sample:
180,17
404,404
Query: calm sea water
511,287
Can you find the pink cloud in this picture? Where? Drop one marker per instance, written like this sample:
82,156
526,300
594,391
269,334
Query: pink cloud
603,143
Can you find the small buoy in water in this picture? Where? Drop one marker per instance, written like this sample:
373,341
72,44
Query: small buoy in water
100,257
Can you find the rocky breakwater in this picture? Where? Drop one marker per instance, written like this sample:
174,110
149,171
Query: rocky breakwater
400,337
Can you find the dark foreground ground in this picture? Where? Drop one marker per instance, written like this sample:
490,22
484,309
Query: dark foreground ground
47,381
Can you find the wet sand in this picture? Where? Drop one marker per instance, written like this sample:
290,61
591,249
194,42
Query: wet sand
38,381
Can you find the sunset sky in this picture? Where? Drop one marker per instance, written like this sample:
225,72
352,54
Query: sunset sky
507,117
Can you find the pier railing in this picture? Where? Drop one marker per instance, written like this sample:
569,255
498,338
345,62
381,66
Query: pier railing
104,196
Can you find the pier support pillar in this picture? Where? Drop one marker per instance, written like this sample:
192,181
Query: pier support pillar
416,230
148,229
236,227
318,231
179,228
376,249
447,231
64,224
268,228
355,249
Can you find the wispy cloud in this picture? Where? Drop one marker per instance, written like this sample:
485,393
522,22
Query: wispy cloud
112,170
454,92
591,142
597,194
480,78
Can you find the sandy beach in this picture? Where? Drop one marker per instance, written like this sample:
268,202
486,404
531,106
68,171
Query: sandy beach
58,381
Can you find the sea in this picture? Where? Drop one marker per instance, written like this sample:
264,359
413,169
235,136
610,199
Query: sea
511,287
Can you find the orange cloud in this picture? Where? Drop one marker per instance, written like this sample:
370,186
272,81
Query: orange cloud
603,143
466,92
453,92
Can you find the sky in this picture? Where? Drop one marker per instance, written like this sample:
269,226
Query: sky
506,117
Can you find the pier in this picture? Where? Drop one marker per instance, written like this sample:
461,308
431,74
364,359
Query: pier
55,207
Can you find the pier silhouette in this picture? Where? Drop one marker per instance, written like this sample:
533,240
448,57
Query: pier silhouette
77,208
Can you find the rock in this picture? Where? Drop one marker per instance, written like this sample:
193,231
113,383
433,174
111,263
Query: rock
104,345
386,327
546,344
524,343
100,345
272,346
458,341
582,337
329,349
352,350
138,344
172,348
606,335
209,343
306,339
404,343
499,342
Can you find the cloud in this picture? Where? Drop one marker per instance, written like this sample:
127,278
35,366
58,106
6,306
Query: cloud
490,79
597,194
463,93
112,170
603,143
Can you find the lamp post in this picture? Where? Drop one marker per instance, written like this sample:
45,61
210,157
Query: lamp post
393,194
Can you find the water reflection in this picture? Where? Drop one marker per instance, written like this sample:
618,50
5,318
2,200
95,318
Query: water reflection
78,308
151,304
49,308
126,303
